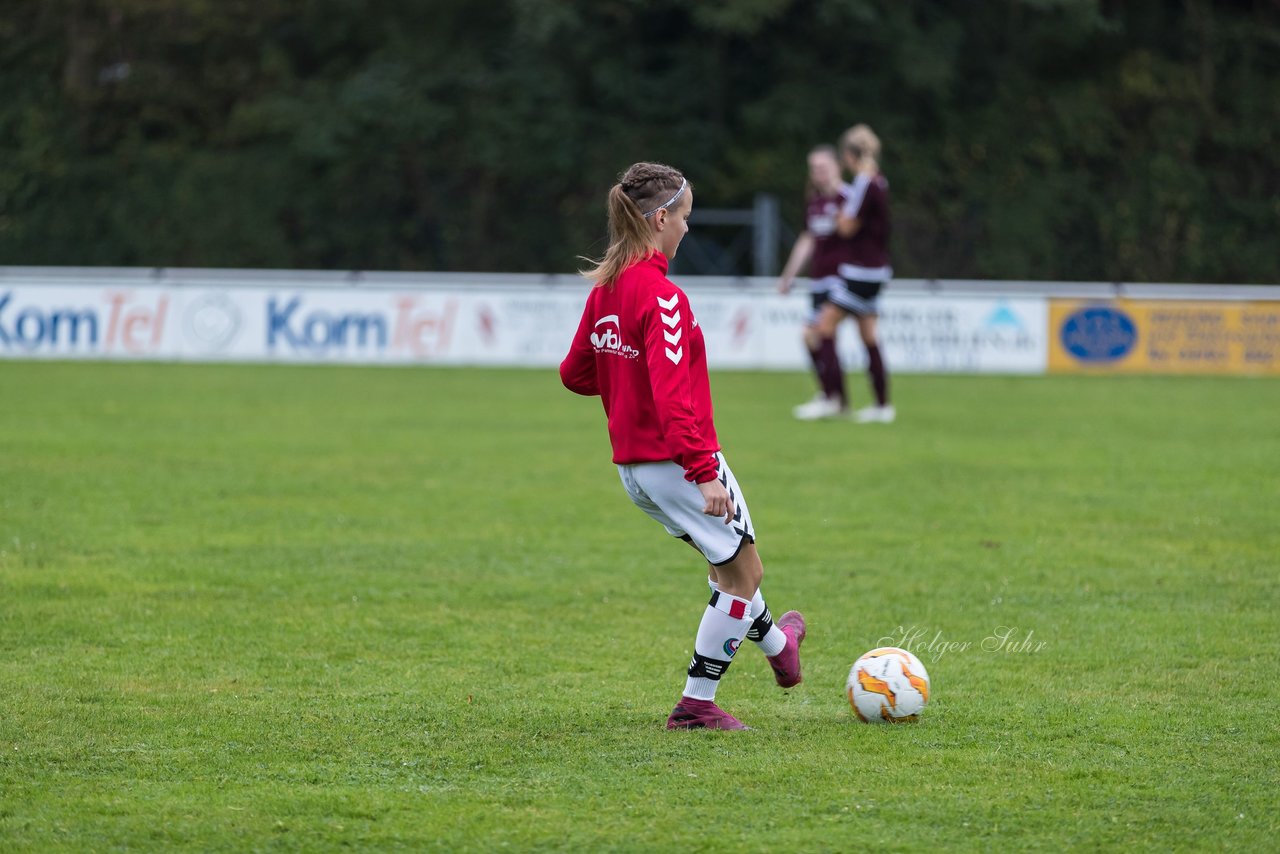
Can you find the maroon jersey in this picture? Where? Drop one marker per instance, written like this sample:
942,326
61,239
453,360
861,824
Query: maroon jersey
868,201
830,250
639,347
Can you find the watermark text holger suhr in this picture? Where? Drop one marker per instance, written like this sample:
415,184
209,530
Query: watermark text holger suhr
1005,639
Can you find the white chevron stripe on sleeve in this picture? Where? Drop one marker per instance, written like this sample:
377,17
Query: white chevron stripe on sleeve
675,355
670,303
670,319
673,337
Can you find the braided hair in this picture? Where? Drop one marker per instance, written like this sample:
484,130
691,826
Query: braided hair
641,190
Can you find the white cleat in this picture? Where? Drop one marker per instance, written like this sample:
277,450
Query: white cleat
819,407
876,415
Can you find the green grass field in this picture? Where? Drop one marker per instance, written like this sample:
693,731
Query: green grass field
293,608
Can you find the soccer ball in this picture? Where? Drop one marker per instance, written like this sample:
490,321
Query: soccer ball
888,685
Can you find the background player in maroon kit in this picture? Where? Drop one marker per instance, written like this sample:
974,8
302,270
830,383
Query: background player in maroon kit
823,249
640,349
865,222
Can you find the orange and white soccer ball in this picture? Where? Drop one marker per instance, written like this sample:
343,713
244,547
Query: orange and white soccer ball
888,685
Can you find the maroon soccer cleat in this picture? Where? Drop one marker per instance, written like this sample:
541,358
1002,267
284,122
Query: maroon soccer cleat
701,714
786,664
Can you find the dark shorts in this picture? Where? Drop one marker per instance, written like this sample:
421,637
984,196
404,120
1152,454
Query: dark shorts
861,299
820,295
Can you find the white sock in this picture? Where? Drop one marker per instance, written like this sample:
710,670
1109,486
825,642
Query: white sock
725,623
763,632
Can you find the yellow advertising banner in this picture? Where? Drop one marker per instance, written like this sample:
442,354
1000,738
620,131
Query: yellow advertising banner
1164,337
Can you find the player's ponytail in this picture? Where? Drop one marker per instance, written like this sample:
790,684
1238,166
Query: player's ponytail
861,142
640,192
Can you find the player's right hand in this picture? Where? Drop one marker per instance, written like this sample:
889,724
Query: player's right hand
717,500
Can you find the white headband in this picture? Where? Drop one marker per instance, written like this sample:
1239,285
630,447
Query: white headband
671,201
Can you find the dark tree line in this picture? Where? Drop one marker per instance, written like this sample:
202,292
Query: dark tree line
1042,139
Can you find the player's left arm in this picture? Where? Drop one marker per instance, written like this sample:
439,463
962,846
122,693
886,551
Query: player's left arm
849,222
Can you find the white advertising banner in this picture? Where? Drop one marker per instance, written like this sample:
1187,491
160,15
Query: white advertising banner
476,325
918,333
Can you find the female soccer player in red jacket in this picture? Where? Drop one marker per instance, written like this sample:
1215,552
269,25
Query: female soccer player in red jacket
640,349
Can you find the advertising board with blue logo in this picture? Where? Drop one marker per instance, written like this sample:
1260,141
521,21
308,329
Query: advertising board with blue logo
124,318
919,333
1165,336
140,321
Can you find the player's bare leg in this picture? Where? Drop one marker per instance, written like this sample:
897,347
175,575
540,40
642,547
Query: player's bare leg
780,641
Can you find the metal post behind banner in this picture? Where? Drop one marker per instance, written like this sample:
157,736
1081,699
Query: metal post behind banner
764,253
760,229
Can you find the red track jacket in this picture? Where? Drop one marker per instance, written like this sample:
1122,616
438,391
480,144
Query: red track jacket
639,347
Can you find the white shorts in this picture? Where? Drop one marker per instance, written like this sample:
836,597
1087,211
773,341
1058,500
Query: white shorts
660,490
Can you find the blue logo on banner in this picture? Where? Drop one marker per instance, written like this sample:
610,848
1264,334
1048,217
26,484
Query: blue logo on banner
1098,334
1003,316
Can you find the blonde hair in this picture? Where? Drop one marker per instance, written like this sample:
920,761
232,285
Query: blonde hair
861,141
641,190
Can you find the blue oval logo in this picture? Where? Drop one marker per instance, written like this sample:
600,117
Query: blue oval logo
1098,333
